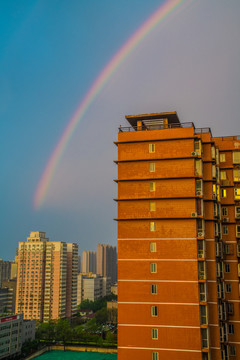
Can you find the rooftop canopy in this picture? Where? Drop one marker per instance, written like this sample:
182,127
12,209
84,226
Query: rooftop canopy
150,120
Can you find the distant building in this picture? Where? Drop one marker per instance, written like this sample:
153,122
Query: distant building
11,287
8,270
89,262
107,261
6,301
47,278
92,287
72,272
79,264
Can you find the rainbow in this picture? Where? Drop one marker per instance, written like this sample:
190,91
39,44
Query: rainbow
148,26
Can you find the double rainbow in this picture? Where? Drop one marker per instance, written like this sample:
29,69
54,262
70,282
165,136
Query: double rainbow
148,26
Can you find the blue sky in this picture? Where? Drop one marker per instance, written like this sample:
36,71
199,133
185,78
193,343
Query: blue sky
50,54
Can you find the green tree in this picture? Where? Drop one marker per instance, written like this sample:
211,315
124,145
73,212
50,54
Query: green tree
91,326
110,337
101,316
63,331
46,331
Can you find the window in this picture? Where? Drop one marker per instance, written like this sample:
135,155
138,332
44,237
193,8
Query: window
152,226
236,175
227,268
198,147
154,289
222,157
217,174
214,191
228,288
225,230
204,336
237,194
203,314
152,206
198,167
223,175
213,152
152,166
223,193
153,268
153,247
154,311
237,212
238,231
236,157
232,350
230,328
224,211
152,186
155,334
155,355
217,156
199,187
152,148
228,249
218,192
202,292
213,171
230,308
201,270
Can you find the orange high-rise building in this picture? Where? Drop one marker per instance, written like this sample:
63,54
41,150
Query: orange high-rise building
47,278
178,225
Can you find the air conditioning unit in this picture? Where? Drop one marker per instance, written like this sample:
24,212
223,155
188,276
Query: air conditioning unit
200,234
237,216
225,220
194,153
194,214
198,192
214,196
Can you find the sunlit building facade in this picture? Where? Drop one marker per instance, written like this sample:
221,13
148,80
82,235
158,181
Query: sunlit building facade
47,278
178,230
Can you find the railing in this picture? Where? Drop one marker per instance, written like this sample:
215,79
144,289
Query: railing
230,137
203,130
155,127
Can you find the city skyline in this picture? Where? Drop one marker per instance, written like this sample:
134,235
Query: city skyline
189,63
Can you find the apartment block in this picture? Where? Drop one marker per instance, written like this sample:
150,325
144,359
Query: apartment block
107,261
178,230
92,287
47,278
89,262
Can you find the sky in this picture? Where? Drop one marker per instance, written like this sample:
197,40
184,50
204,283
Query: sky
51,52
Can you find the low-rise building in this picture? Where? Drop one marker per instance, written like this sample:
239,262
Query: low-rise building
10,335
28,330
92,287
14,331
